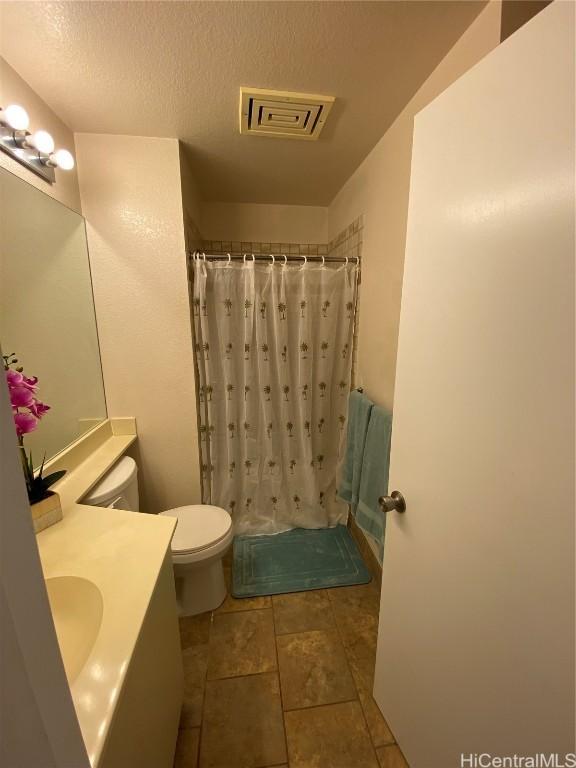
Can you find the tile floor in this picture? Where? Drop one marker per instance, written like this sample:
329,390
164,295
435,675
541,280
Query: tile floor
284,681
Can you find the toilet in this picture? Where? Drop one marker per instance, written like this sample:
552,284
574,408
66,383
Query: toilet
203,535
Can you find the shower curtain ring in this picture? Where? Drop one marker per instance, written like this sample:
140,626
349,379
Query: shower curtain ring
273,259
323,260
285,260
357,261
204,255
244,258
346,260
253,259
229,258
305,260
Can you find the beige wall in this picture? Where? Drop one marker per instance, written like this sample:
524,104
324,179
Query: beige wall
132,199
515,13
379,190
259,222
14,90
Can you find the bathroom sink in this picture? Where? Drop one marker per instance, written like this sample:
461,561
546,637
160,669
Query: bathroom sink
77,607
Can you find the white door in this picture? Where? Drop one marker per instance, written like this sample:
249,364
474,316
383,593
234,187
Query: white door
476,638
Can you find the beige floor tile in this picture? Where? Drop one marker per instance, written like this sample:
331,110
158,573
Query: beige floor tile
187,748
302,612
356,613
243,724
241,604
195,662
313,669
242,643
359,637
195,630
361,655
356,610
391,757
361,596
356,590
380,733
329,737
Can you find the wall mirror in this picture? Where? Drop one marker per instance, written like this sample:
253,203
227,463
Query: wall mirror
47,312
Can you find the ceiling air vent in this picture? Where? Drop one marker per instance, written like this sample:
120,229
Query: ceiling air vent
283,114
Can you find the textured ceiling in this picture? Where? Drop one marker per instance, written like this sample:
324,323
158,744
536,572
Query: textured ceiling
175,68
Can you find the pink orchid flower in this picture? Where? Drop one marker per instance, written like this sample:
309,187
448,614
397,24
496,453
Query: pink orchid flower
25,422
30,383
27,410
38,408
14,378
21,396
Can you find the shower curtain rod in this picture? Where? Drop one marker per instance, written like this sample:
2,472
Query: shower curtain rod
278,258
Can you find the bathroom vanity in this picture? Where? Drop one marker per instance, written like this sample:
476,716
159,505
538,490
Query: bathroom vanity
111,588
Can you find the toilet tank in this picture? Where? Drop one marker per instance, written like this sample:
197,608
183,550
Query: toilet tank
118,488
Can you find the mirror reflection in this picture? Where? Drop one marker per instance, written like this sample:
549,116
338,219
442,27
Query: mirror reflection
47,315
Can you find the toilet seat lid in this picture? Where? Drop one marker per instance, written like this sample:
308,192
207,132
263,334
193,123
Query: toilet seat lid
199,526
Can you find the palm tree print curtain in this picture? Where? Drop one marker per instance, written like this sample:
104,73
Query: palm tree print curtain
273,348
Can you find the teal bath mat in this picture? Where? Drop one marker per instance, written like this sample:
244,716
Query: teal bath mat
296,561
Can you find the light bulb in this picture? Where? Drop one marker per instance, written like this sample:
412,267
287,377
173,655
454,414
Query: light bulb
41,141
63,159
15,117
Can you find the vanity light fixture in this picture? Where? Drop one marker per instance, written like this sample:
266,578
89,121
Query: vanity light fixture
41,141
35,150
62,159
15,117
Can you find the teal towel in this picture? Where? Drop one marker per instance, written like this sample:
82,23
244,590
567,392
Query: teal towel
374,479
359,409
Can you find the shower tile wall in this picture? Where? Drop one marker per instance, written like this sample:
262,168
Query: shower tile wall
290,249
346,243
349,243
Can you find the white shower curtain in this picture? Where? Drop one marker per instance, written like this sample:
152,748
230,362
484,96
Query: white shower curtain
273,347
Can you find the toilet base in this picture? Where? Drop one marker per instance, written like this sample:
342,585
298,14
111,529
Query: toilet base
199,588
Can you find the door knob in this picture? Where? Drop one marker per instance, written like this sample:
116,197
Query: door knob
393,502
